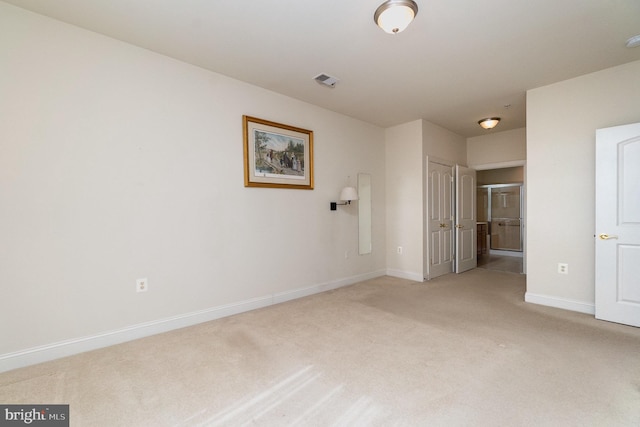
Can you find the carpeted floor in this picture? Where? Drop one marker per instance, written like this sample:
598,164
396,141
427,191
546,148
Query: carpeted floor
460,350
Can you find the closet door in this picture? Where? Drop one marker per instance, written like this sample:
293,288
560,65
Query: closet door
466,234
439,219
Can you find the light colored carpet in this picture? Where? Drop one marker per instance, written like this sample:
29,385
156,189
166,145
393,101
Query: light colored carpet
460,350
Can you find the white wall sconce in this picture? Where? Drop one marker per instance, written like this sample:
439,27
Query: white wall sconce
393,16
489,122
346,196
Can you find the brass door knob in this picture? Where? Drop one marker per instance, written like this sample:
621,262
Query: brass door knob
605,236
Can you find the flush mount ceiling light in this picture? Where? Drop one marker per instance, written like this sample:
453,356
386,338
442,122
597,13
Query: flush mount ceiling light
393,16
633,41
489,122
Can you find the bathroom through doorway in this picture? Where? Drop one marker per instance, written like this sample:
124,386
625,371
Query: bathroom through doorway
500,208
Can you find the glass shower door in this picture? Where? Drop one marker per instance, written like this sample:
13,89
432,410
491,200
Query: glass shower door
505,211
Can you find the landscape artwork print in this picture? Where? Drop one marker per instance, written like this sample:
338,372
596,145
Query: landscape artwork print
277,155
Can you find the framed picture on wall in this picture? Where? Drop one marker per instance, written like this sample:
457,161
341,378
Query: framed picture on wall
277,155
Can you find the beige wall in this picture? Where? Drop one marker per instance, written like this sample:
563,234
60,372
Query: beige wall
117,163
561,122
403,162
497,149
443,144
407,147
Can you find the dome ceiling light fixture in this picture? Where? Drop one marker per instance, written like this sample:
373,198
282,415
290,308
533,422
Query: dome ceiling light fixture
393,16
633,41
489,122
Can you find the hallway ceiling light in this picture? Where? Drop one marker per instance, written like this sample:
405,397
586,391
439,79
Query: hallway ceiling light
489,122
393,16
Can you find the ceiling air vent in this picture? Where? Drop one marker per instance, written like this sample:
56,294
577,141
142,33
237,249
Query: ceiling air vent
326,80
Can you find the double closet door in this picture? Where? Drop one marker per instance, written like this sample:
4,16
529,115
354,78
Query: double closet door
451,219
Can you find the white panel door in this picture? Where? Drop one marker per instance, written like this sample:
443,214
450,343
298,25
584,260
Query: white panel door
440,219
618,224
466,246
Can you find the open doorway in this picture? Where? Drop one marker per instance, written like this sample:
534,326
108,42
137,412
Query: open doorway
500,212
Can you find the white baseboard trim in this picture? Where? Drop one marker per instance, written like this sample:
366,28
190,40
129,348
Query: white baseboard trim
44,353
566,304
410,275
323,287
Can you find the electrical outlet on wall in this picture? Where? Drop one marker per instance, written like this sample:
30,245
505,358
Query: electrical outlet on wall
142,285
563,268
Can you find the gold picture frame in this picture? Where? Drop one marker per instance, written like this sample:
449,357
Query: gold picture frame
277,155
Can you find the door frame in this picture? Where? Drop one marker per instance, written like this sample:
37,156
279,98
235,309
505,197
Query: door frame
511,164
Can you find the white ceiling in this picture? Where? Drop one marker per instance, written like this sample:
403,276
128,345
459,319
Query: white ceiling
459,61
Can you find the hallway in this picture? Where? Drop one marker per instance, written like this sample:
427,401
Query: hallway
511,264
